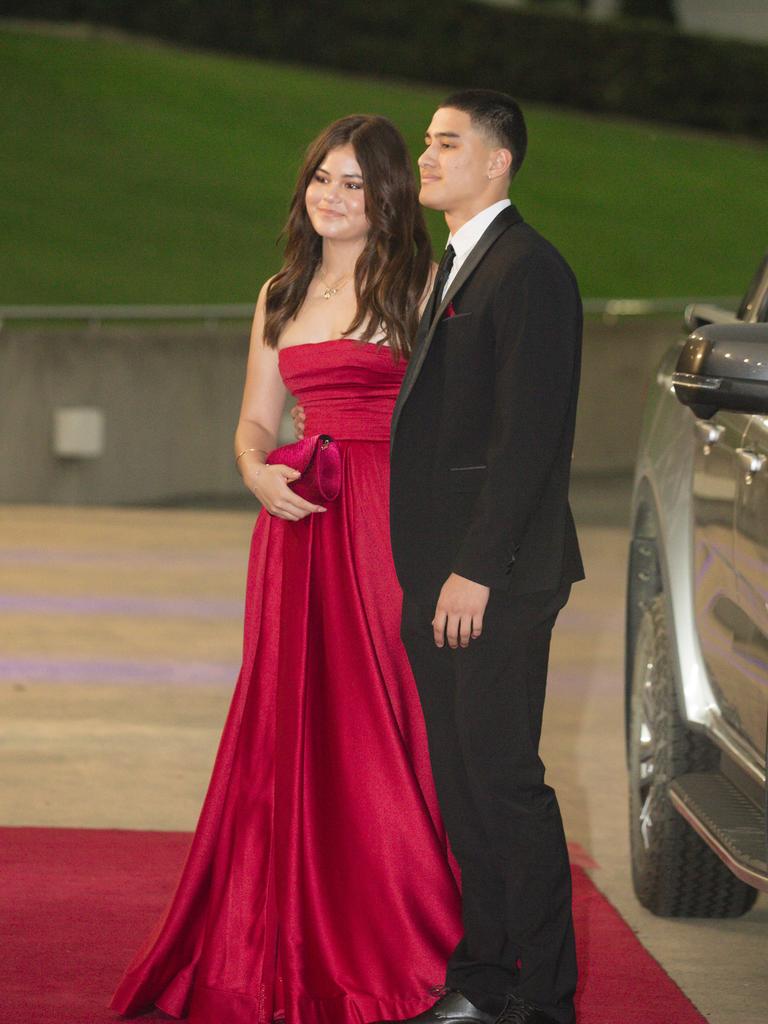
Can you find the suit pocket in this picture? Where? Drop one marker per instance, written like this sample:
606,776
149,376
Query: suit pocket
464,479
456,318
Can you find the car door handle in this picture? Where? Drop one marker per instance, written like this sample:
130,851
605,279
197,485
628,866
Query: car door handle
752,462
709,433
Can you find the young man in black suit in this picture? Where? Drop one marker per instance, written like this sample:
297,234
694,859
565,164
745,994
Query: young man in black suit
486,551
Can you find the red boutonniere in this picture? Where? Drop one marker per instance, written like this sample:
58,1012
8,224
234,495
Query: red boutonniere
450,311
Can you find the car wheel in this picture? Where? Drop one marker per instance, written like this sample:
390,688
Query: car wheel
674,872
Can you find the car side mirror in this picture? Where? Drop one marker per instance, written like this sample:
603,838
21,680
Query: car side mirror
699,314
724,366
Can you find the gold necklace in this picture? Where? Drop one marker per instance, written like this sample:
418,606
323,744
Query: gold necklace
331,290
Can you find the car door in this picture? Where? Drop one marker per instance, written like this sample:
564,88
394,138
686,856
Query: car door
749,691
716,482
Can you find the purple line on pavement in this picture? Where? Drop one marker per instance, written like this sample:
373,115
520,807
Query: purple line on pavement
193,559
182,607
572,617
584,680
115,670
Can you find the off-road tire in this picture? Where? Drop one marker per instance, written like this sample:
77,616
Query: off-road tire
674,872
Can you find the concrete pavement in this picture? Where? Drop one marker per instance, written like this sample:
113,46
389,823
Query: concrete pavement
120,636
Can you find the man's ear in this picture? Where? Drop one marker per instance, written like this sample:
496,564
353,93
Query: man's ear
500,164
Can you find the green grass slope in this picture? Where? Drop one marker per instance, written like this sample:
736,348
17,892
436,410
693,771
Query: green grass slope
139,173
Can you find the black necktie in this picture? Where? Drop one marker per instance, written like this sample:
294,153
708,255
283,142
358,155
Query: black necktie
443,273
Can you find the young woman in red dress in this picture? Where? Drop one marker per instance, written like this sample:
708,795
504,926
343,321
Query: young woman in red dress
319,888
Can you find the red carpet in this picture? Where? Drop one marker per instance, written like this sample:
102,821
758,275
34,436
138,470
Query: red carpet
76,903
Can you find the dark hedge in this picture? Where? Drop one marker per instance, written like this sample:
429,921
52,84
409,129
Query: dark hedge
635,69
660,10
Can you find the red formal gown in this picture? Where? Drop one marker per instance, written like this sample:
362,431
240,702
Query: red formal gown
319,887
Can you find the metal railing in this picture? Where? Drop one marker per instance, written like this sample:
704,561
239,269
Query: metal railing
244,310
649,307
100,314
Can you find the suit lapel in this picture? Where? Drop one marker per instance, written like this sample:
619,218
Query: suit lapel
426,331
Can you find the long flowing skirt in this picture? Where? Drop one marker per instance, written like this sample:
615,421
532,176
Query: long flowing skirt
319,886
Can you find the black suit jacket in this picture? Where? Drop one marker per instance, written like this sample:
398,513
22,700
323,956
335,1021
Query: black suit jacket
482,431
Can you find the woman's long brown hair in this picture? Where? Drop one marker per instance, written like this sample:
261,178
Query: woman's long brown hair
391,272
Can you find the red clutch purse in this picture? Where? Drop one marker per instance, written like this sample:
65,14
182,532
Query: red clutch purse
318,459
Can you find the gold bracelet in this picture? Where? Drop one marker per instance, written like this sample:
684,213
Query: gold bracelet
246,450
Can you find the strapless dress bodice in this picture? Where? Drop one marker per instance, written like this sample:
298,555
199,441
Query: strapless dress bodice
347,387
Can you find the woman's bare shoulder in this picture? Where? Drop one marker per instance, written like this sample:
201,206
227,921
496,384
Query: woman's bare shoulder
265,288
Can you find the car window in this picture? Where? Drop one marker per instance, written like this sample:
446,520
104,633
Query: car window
756,295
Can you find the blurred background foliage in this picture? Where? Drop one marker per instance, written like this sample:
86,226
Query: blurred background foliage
137,172
663,10
636,65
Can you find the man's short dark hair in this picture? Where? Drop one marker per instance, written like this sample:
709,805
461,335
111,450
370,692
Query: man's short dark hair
498,115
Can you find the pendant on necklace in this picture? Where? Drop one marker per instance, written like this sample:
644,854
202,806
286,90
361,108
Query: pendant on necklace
329,293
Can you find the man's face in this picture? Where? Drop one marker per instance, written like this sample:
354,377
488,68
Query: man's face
454,167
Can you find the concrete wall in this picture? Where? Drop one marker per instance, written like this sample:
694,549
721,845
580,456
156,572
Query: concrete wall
171,395
618,363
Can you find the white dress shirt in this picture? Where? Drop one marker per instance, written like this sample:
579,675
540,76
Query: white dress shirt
468,235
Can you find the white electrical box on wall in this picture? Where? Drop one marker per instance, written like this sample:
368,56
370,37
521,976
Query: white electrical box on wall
78,432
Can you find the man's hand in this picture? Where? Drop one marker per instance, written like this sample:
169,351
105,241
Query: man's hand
459,612
299,418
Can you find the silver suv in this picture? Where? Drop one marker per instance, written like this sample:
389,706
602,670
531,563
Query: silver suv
697,620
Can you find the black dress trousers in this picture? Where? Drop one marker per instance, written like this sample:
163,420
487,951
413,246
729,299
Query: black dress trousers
483,708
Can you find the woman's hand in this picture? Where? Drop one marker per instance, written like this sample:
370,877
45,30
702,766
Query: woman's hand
270,485
299,419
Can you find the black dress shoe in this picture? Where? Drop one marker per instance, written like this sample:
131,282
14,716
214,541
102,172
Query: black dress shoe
451,1008
518,1011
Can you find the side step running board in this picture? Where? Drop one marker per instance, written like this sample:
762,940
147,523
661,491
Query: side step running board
727,821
